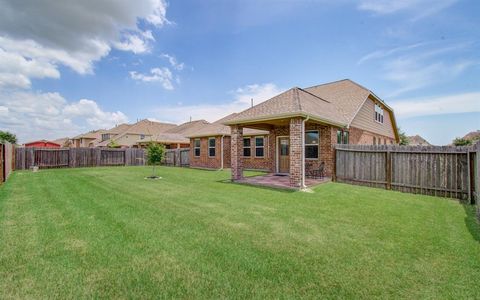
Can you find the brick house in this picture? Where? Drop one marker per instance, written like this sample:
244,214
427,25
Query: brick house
210,147
302,126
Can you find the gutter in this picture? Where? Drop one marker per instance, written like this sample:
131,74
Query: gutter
303,150
221,152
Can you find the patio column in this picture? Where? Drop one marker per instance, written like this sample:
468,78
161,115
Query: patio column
236,154
296,152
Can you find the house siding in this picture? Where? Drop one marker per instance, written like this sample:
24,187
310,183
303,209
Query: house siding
365,120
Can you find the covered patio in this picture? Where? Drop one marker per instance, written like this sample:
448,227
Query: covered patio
280,181
302,128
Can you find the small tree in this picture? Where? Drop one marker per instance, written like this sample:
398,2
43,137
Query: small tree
155,154
462,142
113,144
403,137
8,137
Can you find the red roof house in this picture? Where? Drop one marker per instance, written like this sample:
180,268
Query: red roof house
43,144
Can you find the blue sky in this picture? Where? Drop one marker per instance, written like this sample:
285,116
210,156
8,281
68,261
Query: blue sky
204,59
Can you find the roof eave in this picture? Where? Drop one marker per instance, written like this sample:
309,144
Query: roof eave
282,116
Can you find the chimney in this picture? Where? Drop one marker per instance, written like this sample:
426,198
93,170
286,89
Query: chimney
252,102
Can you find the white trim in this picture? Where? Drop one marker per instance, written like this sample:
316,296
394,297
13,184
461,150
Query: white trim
195,147
209,147
277,153
318,145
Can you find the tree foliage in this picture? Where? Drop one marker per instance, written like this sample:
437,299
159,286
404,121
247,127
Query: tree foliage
462,142
8,137
403,137
155,153
113,144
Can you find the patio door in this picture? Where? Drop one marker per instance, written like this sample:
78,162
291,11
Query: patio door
283,154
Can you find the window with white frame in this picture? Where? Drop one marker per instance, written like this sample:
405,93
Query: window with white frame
211,147
312,138
196,147
378,113
342,137
247,150
259,146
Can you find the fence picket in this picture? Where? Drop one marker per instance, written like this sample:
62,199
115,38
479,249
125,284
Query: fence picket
440,171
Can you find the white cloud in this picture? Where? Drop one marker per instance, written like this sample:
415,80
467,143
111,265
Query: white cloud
162,75
35,38
459,103
212,112
420,8
173,62
48,115
420,65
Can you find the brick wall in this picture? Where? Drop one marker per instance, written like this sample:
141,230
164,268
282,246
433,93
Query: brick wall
236,153
204,161
258,163
296,145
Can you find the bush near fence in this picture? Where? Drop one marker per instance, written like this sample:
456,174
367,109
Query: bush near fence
445,171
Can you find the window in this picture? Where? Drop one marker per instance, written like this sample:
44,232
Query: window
105,136
378,113
312,138
374,140
142,136
211,147
259,146
342,137
196,147
247,150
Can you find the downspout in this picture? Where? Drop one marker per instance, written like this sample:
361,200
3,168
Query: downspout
221,152
303,151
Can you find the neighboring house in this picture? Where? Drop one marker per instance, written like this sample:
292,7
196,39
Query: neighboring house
111,133
87,139
143,130
42,144
304,124
175,137
64,142
473,136
210,147
417,140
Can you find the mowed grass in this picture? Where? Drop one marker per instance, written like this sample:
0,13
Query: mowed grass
109,233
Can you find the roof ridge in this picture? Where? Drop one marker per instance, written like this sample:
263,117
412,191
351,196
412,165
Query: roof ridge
314,95
327,83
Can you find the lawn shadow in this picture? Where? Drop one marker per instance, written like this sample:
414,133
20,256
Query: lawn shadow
263,187
471,221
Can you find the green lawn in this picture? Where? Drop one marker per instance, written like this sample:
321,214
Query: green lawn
108,232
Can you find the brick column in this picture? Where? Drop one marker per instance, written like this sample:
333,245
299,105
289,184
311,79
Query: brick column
296,152
236,153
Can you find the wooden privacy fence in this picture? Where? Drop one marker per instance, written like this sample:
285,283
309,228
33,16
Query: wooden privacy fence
177,157
445,171
7,156
77,157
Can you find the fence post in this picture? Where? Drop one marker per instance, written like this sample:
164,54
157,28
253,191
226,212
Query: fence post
334,175
476,178
388,169
98,156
